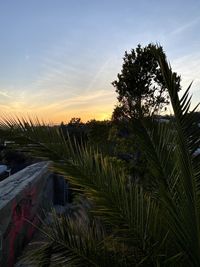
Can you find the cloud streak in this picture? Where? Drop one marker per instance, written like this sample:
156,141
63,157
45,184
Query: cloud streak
65,87
186,26
5,94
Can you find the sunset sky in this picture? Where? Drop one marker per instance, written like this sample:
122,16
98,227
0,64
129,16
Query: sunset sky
59,57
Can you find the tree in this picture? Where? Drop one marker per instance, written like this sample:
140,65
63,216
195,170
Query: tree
76,129
140,85
75,121
98,135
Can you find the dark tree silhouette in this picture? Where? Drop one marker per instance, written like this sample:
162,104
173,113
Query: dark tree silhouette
140,85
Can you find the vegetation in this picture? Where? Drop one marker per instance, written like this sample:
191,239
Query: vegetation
125,224
141,89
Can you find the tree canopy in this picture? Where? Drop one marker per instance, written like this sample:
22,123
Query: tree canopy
140,85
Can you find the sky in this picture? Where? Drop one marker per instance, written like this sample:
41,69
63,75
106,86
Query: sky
58,58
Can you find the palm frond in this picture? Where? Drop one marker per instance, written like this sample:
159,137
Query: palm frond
178,186
74,241
123,207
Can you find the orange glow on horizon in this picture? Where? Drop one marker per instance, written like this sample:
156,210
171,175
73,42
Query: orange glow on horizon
55,118
83,116
96,105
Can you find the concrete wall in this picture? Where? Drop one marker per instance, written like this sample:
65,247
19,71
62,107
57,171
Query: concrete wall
21,197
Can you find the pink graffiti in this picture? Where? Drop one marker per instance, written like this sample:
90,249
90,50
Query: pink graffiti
21,214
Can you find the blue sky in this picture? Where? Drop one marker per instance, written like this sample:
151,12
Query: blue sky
59,57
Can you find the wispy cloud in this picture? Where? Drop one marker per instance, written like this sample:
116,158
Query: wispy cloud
82,100
63,90
66,86
63,84
186,26
5,94
189,68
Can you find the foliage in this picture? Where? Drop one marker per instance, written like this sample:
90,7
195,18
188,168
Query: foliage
128,226
141,89
98,136
75,129
75,121
127,149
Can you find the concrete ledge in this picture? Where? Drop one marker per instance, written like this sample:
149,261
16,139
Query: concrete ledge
21,197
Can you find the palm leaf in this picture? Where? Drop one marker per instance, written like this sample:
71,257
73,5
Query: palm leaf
125,209
178,186
73,241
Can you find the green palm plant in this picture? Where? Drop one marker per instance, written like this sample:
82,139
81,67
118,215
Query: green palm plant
127,225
